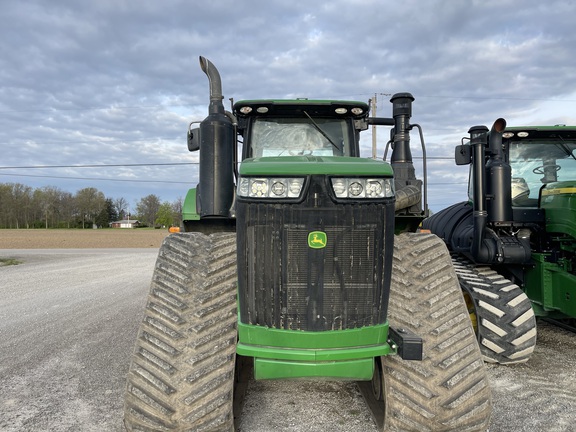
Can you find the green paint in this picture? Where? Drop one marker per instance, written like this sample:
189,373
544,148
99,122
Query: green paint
551,288
357,370
189,211
345,354
315,165
278,338
559,201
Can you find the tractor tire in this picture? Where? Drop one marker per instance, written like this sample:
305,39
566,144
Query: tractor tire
448,390
501,313
181,377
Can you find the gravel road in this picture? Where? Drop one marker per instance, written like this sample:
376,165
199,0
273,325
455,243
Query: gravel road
68,319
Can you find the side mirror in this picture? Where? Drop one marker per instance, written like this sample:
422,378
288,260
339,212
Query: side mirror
463,154
193,139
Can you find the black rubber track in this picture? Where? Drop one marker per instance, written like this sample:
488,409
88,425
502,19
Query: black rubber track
449,389
182,373
506,325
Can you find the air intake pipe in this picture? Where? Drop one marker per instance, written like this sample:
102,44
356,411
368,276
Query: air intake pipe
402,112
408,187
215,191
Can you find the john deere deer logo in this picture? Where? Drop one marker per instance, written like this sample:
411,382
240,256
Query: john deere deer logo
317,240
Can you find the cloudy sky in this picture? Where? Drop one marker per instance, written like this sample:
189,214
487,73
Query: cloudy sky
117,82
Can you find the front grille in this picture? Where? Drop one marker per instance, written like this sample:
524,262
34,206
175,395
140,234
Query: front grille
283,283
333,285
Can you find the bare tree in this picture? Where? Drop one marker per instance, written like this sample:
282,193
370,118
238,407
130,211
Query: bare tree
177,209
147,209
7,217
15,205
68,208
47,200
90,202
121,207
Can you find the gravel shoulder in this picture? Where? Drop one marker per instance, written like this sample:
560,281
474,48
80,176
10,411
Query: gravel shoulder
68,319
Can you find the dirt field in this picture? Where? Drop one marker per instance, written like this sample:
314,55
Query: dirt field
81,239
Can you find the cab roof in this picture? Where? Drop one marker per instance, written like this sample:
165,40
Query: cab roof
540,132
296,107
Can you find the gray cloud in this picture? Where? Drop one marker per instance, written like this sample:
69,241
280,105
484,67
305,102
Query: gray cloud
114,82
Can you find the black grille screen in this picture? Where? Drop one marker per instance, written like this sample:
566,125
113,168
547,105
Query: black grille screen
328,282
284,283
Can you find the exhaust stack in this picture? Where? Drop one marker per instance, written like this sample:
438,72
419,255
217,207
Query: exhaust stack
492,200
215,191
499,177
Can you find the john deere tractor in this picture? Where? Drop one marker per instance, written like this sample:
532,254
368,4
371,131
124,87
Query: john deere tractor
514,240
299,260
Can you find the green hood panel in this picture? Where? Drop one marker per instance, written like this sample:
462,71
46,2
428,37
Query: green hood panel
189,211
315,165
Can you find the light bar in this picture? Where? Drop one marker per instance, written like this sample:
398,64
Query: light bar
270,187
369,188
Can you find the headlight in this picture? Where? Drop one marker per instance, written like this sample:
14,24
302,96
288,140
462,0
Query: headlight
258,187
370,188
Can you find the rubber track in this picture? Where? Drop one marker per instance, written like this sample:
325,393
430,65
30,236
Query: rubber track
506,322
449,389
182,373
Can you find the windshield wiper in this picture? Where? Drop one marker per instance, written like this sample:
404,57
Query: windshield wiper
319,129
565,147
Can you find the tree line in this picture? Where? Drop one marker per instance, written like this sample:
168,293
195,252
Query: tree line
22,206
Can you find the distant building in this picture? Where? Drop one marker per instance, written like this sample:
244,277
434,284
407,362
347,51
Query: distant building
125,224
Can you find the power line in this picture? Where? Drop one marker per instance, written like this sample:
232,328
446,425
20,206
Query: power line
460,183
99,165
128,107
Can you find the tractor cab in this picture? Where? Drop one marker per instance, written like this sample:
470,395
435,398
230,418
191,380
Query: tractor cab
538,158
300,127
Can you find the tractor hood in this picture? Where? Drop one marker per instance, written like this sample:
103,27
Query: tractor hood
315,165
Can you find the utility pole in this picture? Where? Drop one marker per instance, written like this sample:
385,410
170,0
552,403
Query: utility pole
373,108
373,105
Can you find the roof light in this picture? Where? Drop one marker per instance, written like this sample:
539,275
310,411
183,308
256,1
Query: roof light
245,110
507,134
357,111
262,110
341,110
523,134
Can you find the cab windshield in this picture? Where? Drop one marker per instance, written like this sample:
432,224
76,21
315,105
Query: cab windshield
275,136
535,163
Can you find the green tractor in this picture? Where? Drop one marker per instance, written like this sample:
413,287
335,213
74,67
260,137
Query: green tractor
300,260
514,241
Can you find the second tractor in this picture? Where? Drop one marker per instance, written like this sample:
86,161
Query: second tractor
514,241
